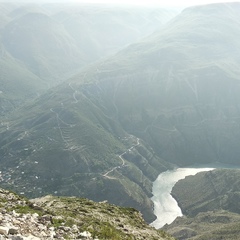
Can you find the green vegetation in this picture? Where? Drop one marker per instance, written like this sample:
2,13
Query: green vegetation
78,215
26,209
102,220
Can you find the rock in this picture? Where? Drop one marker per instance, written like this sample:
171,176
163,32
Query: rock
43,234
74,229
4,230
85,234
47,218
13,230
36,207
65,229
31,226
16,222
35,215
42,227
30,237
16,238
51,228
15,214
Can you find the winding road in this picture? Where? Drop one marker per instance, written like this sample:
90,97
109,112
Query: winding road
74,93
123,163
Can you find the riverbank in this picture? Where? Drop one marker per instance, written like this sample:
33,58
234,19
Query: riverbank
166,207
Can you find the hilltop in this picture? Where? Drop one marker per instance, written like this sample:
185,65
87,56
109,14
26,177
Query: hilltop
70,218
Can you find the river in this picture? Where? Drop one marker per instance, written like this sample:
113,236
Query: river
165,206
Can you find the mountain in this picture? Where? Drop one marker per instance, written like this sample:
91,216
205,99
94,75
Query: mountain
106,133
71,147
24,9
210,203
17,83
179,89
55,46
50,42
5,9
70,218
101,31
42,44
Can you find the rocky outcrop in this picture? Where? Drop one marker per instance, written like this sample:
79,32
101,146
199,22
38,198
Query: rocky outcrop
69,218
21,220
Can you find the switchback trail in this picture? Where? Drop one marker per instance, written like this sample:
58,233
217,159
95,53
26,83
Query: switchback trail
123,163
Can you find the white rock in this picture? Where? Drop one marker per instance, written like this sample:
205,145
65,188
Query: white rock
42,227
4,230
14,213
35,215
51,228
30,237
43,234
15,222
74,228
85,234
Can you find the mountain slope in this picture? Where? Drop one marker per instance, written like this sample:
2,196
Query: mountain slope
17,83
109,131
210,203
179,89
103,30
70,218
70,147
47,43
42,44
55,46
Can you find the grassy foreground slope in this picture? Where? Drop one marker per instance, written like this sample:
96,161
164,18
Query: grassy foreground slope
71,218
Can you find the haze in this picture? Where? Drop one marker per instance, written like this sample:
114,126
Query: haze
132,2
98,100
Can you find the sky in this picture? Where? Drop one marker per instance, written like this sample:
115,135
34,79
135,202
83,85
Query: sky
156,2
134,2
